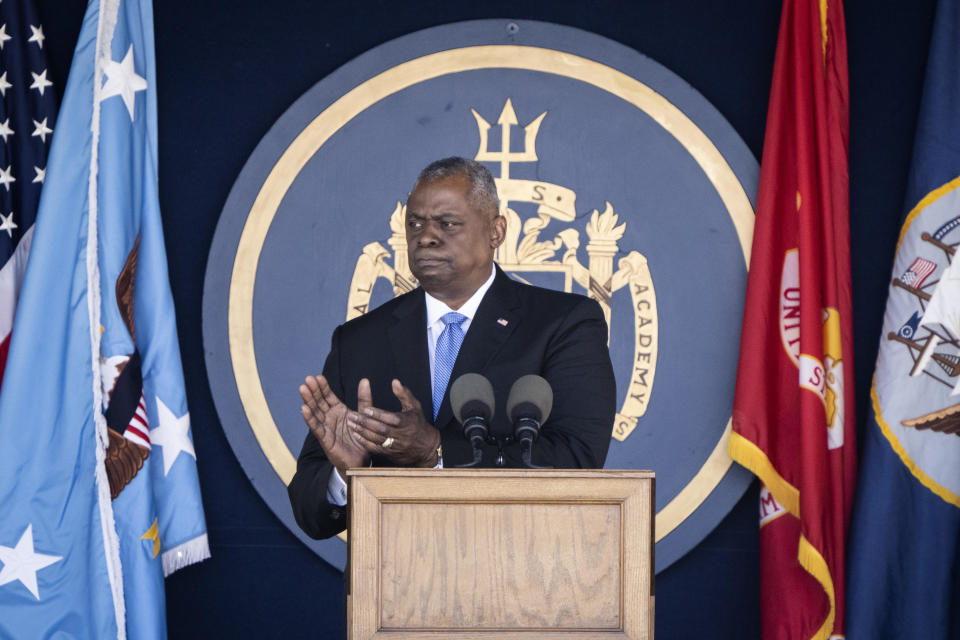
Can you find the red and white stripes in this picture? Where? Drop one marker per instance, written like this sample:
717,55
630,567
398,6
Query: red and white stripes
138,431
11,279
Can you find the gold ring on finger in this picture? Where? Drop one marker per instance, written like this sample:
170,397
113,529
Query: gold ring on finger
388,442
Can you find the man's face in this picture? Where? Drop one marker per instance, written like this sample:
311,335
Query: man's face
450,242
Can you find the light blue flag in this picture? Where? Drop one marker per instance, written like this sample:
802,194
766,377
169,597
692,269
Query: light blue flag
98,477
903,564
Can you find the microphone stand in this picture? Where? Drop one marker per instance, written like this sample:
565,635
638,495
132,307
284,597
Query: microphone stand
526,431
475,429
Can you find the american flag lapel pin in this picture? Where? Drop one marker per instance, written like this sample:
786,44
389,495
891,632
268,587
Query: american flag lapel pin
502,322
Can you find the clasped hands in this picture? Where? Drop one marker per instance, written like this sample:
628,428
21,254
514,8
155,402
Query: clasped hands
350,437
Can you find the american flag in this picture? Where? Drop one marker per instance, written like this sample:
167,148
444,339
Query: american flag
918,272
28,110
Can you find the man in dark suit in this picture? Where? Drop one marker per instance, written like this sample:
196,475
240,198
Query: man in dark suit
392,364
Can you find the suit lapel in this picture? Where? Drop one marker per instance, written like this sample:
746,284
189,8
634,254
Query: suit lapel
408,341
496,318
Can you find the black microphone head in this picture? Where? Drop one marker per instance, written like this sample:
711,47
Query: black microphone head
471,395
530,397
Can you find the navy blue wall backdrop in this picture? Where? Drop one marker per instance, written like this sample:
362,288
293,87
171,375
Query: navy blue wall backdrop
228,69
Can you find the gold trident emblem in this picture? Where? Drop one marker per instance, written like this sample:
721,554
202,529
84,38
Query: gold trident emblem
553,200
523,252
507,119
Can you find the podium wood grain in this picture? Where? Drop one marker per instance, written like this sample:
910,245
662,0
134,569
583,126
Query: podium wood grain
485,554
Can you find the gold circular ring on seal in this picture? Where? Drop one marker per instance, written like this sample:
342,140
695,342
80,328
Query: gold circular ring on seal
312,138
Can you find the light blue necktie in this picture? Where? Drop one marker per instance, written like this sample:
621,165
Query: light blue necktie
445,354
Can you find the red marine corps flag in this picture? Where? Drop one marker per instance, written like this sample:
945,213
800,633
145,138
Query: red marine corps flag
793,415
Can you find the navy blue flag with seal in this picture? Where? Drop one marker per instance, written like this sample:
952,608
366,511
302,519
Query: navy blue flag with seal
904,546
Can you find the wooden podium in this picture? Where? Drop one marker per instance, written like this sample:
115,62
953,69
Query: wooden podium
492,554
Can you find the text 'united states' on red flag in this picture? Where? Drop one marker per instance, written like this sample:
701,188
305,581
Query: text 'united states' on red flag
28,110
793,416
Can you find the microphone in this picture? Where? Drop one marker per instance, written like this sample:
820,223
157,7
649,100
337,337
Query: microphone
528,407
471,398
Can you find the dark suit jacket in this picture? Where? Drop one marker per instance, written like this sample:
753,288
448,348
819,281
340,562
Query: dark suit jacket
518,329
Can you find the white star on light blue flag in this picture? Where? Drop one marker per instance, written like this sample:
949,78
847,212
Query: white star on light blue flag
123,81
21,562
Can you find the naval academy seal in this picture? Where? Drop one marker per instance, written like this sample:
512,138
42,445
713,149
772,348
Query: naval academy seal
617,180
